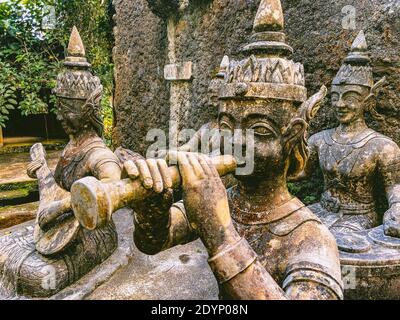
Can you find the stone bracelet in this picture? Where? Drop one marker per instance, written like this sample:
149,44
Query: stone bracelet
232,261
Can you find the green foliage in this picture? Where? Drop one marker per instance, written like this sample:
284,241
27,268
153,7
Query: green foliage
93,18
308,191
31,55
8,93
28,56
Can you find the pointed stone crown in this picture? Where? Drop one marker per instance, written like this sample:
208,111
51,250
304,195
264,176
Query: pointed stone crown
76,82
266,73
356,68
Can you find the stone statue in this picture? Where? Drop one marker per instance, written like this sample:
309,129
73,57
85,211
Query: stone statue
263,242
206,139
354,158
41,262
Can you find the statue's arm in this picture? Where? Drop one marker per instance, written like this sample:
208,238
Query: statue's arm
308,276
255,283
389,167
102,164
312,161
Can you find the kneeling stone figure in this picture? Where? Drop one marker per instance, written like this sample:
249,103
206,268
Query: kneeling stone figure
43,261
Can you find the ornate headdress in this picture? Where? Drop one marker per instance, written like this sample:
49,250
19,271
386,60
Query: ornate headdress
77,82
266,73
356,68
218,79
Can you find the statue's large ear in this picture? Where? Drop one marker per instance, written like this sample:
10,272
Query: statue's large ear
299,124
370,100
376,88
295,145
293,133
93,102
309,109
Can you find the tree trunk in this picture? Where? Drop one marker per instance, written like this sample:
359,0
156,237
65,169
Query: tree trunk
1,137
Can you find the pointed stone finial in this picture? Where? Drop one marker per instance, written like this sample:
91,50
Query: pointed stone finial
269,16
223,67
268,36
359,51
360,44
356,68
75,46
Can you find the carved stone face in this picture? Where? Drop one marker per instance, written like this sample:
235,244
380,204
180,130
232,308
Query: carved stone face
267,120
69,116
348,101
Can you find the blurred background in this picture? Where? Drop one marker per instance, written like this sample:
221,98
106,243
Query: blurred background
34,35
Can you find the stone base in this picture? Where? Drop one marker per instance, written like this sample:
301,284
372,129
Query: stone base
179,273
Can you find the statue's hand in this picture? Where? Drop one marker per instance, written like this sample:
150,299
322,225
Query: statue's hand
206,201
391,222
51,211
153,173
32,167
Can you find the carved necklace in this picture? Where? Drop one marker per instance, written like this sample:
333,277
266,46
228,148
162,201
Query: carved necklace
354,140
352,145
254,217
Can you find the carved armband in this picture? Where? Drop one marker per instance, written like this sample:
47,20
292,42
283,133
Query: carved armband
391,173
311,272
233,260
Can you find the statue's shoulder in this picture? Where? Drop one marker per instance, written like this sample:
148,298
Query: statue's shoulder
300,218
321,137
379,140
313,254
97,153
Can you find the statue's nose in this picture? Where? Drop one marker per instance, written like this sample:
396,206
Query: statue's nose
340,103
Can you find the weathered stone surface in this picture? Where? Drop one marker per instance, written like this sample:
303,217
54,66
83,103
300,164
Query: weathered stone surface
104,272
100,274
178,273
206,30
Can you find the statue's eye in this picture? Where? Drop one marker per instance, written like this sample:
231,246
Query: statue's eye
262,130
351,100
225,126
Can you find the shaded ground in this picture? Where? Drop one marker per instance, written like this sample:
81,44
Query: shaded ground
13,166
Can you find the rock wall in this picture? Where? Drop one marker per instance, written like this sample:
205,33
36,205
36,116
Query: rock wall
150,34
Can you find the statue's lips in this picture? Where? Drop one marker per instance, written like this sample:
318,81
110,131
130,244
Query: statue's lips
342,113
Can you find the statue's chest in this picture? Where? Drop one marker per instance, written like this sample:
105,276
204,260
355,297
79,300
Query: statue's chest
346,161
70,168
271,249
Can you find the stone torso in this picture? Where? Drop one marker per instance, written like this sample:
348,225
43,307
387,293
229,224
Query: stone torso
350,169
80,161
290,242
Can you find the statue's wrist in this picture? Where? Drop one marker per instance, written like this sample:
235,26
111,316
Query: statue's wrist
396,206
232,260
